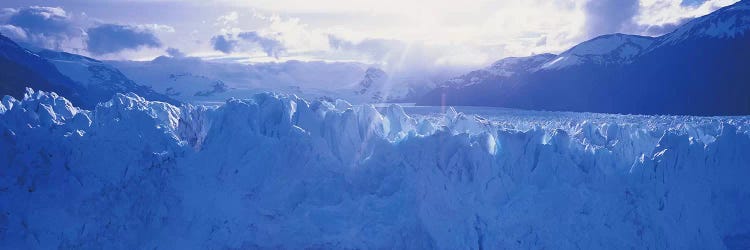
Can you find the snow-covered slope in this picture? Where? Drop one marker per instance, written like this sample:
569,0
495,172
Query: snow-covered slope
194,79
603,50
83,80
699,69
277,171
21,68
725,23
97,79
377,86
506,67
516,65
372,83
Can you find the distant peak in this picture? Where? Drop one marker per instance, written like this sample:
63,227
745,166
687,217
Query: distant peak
60,55
726,22
615,48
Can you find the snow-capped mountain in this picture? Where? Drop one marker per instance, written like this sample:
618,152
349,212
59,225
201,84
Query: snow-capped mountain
506,67
84,80
614,49
22,68
87,81
280,172
197,80
99,80
377,86
700,68
517,65
603,50
726,23
373,80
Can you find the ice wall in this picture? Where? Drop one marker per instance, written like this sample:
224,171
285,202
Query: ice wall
277,171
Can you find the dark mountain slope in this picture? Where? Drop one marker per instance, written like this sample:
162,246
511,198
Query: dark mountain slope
702,68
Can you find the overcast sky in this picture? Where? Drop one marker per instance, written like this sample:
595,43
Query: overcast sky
395,33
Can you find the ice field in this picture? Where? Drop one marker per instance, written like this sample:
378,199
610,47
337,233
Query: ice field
277,171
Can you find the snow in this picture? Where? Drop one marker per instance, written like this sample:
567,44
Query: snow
606,49
277,171
561,62
515,65
725,23
76,71
607,44
193,79
506,67
185,78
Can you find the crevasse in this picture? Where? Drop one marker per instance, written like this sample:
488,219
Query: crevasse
277,171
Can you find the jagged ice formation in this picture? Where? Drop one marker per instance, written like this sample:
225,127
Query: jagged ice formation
277,171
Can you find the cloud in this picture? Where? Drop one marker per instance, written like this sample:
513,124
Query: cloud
13,32
223,43
113,38
249,40
156,27
541,42
376,49
176,53
290,32
658,17
400,57
609,16
54,28
692,2
660,29
644,17
228,19
40,26
272,47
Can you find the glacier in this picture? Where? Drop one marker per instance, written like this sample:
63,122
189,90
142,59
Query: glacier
278,171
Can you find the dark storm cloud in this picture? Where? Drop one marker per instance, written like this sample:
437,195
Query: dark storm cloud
609,16
54,28
612,16
176,53
270,46
47,20
656,30
248,41
112,38
223,43
40,26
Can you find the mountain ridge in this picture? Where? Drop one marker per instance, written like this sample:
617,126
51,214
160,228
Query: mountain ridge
698,75
84,81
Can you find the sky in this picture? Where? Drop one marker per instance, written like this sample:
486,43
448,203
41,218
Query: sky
396,34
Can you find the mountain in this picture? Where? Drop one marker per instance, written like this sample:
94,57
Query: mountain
503,68
614,49
85,81
197,80
377,86
698,69
99,80
21,68
373,80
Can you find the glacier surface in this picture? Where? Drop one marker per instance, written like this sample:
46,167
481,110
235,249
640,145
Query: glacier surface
277,171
